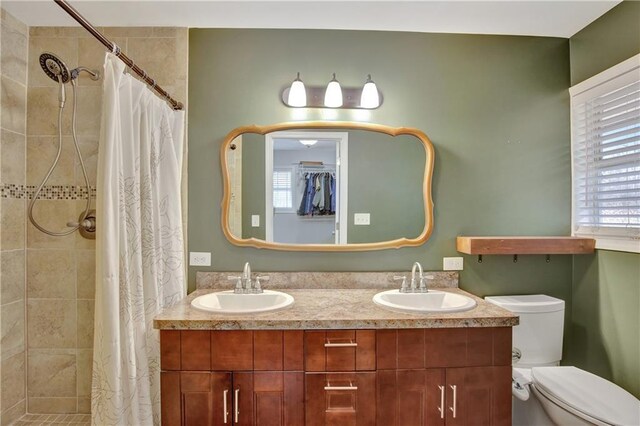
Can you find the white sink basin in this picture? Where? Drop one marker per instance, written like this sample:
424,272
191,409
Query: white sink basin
228,302
432,301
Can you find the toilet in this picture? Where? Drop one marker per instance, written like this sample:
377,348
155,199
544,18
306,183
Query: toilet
545,393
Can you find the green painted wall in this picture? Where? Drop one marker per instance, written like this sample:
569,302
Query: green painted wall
607,41
606,286
495,107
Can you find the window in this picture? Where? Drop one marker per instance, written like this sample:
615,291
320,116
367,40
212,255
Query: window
605,133
282,190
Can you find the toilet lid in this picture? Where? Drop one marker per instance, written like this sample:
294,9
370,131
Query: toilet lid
588,394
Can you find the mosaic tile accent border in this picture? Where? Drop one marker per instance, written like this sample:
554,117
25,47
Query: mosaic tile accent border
50,192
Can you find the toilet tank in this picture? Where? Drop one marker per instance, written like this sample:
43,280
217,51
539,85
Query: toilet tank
539,334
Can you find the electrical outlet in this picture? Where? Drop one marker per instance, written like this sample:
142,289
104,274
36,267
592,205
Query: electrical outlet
453,263
361,219
255,220
199,258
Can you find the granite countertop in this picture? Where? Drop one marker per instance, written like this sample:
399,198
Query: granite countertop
331,309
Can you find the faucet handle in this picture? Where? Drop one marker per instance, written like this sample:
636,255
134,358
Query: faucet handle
257,287
403,288
423,285
238,288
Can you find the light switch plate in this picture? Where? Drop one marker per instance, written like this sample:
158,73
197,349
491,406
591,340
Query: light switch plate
361,219
255,220
199,258
453,263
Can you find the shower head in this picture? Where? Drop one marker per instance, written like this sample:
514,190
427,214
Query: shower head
54,67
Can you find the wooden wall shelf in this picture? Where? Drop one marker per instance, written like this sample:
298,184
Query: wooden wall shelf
525,245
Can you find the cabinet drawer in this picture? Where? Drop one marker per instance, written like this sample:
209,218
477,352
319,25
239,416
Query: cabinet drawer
346,399
343,350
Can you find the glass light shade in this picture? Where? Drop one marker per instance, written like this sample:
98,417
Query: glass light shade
308,142
370,97
297,93
333,95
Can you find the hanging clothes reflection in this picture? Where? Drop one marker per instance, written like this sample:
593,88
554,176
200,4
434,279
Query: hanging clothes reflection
319,194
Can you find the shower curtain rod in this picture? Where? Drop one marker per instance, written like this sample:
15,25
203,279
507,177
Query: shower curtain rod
116,51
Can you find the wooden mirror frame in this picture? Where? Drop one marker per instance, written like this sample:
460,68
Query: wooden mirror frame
347,125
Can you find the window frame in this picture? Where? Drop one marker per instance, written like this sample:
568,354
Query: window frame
623,241
292,190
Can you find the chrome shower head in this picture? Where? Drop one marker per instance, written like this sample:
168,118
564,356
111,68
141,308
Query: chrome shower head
54,67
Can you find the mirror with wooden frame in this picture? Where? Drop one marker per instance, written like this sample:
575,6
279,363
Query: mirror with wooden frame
327,186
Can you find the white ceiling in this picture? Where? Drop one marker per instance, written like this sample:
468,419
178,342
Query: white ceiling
553,18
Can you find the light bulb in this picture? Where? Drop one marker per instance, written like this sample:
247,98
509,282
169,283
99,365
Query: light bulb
308,142
333,95
297,93
370,97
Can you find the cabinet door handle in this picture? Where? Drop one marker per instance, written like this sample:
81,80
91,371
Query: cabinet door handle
328,387
454,407
441,407
349,344
225,412
237,403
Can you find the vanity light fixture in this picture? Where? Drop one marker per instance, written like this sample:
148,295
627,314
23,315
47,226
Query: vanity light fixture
297,93
308,142
333,95
369,98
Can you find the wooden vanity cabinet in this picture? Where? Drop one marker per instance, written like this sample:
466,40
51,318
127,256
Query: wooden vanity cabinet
242,378
458,376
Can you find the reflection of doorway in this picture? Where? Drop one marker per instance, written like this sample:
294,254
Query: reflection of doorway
293,169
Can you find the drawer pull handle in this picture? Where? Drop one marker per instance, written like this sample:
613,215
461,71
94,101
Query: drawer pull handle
237,403
340,388
350,344
225,413
441,407
454,388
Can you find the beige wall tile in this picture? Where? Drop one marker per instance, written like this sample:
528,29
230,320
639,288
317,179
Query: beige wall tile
13,22
85,323
14,105
157,56
80,241
51,274
11,414
51,323
86,273
128,31
65,48
89,150
52,405
84,405
12,329
12,165
12,223
53,215
13,276
44,31
42,112
41,152
89,111
91,54
51,373
165,31
13,380
13,57
85,371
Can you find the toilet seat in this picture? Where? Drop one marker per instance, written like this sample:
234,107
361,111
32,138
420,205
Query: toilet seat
587,395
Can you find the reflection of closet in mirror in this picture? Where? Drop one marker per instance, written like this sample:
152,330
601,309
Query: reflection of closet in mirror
306,187
234,162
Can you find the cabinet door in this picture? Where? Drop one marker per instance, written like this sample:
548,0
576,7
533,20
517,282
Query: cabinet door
345,399
205,399
479,396
411,397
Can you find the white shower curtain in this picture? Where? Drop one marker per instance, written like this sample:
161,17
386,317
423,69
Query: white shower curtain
139,246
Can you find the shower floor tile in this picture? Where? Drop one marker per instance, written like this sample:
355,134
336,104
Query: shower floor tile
54,419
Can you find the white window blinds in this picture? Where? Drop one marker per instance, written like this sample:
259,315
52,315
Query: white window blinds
282,189
605,122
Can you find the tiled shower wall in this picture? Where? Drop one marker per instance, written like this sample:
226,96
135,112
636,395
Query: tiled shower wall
48,283
60,270
13,75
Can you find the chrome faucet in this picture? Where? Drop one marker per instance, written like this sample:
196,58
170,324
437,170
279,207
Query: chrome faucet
421,287
244,284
